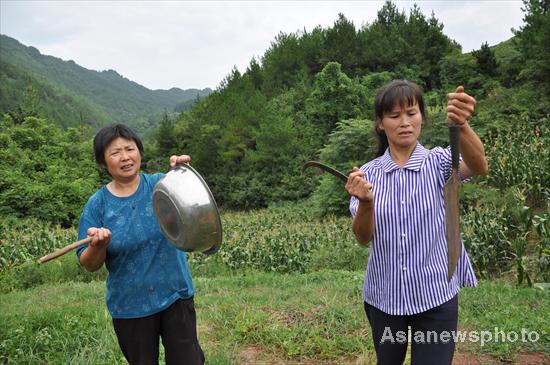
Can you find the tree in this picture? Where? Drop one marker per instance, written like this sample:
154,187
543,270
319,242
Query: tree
334,97
382,41
165,137
29,107
341,45
534,42
486,61
352,143
283,63
406,45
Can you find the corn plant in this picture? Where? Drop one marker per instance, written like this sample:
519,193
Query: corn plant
519,155
22,240
285,239
541,224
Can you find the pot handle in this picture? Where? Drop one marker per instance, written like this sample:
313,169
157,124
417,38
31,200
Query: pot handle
63,250
179,165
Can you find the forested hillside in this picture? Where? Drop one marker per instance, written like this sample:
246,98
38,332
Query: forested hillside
70,95
310,96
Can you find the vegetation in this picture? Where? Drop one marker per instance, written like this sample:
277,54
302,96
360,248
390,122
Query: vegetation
257,318
45,172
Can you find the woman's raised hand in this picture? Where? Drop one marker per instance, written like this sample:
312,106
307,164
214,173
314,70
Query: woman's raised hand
460,106
359,187
179,160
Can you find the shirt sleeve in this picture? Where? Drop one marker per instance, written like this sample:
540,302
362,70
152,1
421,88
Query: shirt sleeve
353,204
90,217
155,178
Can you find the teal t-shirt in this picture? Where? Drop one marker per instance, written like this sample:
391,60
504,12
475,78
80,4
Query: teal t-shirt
146,273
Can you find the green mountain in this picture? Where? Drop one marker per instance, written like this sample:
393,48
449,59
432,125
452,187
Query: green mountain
70,94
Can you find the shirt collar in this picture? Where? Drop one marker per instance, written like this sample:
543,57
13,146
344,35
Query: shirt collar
414,163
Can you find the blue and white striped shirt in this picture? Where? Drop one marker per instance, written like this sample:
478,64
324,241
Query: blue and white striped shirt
407,265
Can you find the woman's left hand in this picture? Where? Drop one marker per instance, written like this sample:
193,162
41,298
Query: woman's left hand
179,160
460,106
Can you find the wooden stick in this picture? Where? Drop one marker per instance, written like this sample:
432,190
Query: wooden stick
63,250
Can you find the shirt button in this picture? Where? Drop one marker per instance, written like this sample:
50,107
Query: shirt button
404,269
402,202
151,288
403,235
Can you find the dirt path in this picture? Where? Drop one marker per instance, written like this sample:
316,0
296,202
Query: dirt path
520,359
255,356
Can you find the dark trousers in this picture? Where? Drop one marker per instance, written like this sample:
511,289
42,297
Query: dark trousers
176,325
431,334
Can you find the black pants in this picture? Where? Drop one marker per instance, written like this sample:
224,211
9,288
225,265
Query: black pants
176,325
431,333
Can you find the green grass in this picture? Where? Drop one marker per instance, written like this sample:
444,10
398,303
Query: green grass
285,288
497,304
310,316
253,317
57,324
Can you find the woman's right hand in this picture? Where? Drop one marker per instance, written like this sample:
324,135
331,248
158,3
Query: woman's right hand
359,187
100,237
94,256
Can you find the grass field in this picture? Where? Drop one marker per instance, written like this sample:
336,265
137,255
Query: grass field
284,289
259,318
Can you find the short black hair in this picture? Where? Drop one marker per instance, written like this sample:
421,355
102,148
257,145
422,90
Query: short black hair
108,134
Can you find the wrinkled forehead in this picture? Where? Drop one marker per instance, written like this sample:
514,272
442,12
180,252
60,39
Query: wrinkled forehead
120,143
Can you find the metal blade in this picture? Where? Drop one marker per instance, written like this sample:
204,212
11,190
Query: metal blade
326,168
452,223
452,205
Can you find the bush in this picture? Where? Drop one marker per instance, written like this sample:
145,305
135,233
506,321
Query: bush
541,224
28,239
486,239
45,172
60,270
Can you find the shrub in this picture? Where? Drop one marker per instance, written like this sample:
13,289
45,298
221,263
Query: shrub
45,172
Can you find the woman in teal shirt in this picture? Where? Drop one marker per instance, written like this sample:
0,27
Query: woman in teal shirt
149,286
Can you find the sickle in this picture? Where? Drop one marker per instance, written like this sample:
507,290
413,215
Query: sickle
328,169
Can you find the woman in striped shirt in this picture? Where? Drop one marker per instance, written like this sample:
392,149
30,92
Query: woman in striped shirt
397,202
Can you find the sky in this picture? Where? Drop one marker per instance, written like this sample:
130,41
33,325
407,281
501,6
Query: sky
196,44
